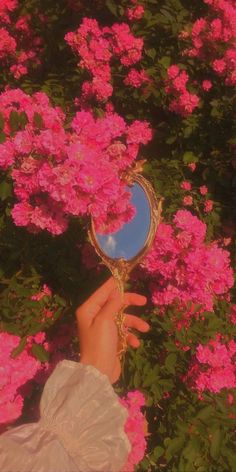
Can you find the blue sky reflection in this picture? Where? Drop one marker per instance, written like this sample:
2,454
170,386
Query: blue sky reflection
129,241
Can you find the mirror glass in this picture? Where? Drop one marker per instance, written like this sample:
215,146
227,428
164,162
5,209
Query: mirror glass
131,238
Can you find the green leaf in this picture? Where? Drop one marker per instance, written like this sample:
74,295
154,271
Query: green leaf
170,362
19,348
14,121
171,139
37,120
216,442
158,452
23,119
151,53
205,412
5,190
191,451
165,61
175,445
112,7
189,157
137,379
150,379
2,137
39,352
1,122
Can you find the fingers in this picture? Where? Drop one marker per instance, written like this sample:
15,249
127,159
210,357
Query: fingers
111,308
132,321
100,296
117,302
106,301
88,311
134,299
132,340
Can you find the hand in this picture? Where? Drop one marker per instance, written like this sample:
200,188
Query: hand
98,335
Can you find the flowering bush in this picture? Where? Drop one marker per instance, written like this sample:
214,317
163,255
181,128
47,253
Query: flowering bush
97,47
220,362
57,173
123,81
135,428
183,102
20,47
215,34
183,267
14,373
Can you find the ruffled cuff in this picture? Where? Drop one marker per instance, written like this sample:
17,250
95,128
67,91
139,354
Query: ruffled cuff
80,406
81,427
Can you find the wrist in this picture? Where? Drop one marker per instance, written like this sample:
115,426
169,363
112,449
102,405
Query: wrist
103,369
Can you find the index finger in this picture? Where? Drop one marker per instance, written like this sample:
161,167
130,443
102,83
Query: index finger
100,296
95,302
134,299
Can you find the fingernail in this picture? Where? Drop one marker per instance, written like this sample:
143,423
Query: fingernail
147,326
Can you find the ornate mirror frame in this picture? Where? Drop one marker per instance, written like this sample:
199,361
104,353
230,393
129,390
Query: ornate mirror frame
120,268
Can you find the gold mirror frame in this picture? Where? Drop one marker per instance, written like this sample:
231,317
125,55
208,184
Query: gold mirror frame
121,268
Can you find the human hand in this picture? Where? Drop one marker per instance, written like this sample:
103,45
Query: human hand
97,330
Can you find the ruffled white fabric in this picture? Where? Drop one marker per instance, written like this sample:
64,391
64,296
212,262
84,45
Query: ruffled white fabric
81,427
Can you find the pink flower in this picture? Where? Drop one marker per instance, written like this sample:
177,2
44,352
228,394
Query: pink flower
215,34
136,78
76,172
186,185
46,291
188,200
213,368
183,268
233,314
135,428
173,71
230,399
208,206
192,166
182,101
15,372
203,190
219,66
206,85
97,46
135,13
139,132
7,154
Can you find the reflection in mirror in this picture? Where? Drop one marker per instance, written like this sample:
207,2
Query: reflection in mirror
129,241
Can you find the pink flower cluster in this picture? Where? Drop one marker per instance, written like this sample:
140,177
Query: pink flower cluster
214,39
19,46
97,47
183,268
214,366
15,372
182,101
135,428
208,204
45,292
233,314
135,12
136,78
59,174
188,199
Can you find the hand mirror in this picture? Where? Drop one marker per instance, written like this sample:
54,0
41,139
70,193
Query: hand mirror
122,250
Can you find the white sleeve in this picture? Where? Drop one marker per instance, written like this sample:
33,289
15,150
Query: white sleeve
81,427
